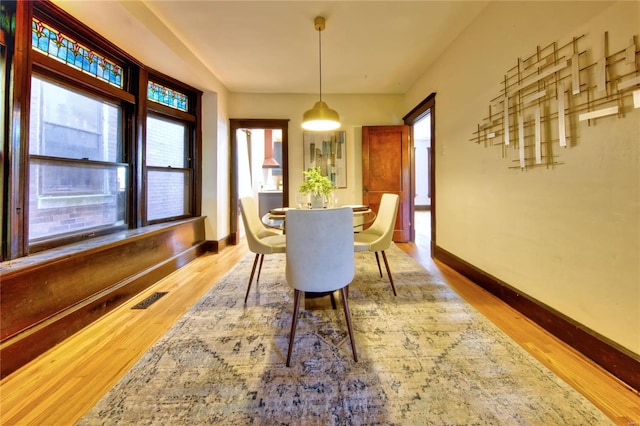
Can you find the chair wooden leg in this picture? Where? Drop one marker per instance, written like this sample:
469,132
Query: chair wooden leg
386,264
379,268
260,268
253,270
294,324
347,316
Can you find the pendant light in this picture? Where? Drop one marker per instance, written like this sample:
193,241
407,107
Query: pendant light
320,117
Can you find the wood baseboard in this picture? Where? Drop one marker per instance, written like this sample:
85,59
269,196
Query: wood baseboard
616,360
224,242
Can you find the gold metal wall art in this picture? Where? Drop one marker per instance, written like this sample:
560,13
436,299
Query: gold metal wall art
544,96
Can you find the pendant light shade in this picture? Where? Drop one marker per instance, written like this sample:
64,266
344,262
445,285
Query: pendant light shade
320,117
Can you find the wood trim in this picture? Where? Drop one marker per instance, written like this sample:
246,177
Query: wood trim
216,246
616,360
63,21
25,347
197,158
170,112
138,134
42,302
419,110
223,243
212,246
45,65
17,153
428,105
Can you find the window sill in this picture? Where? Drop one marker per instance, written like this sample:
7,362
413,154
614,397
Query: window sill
85,247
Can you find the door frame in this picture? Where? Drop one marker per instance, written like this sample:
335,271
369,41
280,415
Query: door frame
428,105
253,123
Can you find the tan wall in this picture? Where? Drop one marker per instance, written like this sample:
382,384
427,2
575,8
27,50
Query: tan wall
568,236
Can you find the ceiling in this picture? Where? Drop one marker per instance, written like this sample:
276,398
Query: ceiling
368,47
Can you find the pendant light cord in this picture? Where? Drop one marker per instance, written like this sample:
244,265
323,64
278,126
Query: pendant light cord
320,60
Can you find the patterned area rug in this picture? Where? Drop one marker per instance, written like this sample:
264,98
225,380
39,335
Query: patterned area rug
425,357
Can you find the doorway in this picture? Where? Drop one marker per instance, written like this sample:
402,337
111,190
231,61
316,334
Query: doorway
422,121
422,148
422,174
259,166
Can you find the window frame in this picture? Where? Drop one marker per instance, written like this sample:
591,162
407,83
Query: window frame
3,120
24,61
46,69
187,164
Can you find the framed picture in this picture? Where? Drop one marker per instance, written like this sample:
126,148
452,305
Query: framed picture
327,150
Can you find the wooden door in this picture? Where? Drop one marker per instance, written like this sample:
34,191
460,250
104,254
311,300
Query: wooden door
386,167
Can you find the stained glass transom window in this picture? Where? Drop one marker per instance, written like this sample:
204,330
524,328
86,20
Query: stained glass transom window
166,96
56,45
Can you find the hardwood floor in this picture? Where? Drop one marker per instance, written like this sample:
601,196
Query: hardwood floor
61,385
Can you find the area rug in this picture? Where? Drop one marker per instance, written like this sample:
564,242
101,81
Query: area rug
426,357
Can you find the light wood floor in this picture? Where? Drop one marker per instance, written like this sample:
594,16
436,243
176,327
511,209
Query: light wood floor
61,385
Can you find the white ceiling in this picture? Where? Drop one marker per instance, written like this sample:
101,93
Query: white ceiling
372,47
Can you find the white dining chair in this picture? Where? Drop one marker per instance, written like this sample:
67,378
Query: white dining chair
320,258
260,240
378,237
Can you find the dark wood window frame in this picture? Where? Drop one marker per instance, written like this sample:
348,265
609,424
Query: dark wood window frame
22,60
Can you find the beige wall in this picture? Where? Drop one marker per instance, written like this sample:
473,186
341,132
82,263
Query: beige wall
568,236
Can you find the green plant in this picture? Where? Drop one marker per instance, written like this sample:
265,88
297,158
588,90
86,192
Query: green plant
315,183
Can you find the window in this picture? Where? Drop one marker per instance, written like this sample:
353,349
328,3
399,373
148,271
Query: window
168,175
63,48
165,96
77,179
93,152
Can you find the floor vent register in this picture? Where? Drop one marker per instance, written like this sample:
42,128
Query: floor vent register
150,300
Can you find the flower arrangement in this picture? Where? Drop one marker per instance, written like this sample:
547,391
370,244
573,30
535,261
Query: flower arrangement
315,183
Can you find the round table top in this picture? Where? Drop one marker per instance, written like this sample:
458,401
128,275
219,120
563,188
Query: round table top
276,217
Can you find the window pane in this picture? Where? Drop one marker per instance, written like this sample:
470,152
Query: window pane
165,143
71,193
68,124
59,46
169,97
69,198
167,194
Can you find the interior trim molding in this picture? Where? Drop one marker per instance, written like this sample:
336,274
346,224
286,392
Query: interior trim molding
52,295
229,240
617,360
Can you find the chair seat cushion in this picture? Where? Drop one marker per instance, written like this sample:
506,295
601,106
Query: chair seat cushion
277,242
362,241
